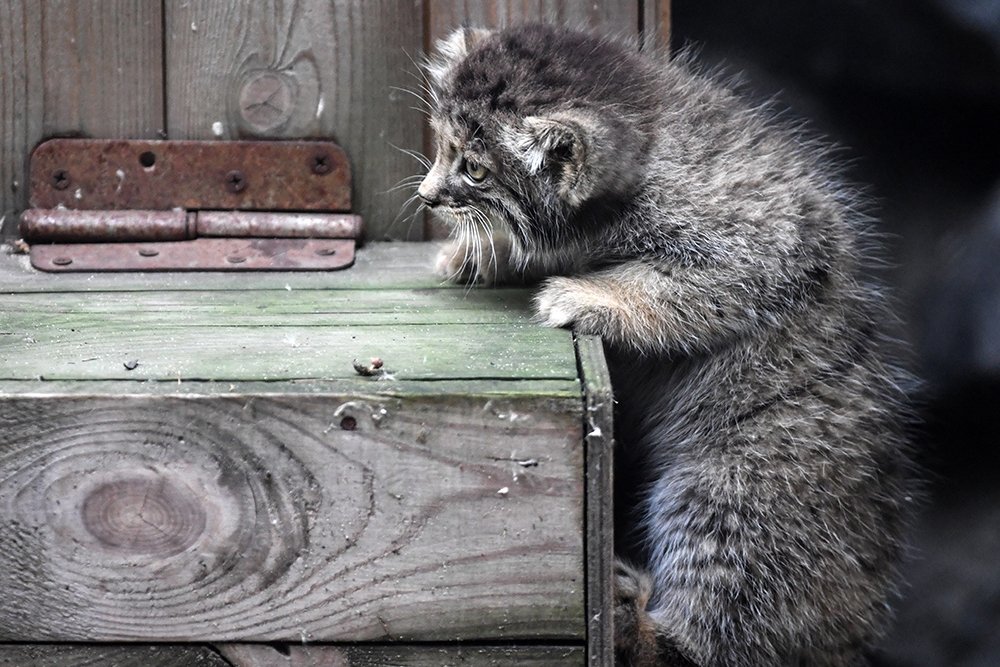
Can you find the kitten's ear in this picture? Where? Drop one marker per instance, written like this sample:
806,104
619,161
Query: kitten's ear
566,142
452,50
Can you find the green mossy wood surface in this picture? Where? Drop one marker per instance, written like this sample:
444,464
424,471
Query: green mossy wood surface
243,483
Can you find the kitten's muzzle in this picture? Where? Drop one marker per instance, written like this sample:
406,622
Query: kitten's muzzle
430,201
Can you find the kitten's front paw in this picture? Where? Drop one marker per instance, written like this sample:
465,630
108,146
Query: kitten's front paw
455,263
576,302
459,262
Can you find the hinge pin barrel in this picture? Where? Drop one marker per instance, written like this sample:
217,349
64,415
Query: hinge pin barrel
68,226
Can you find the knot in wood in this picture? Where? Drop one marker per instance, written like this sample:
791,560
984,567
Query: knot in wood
265,100
143,516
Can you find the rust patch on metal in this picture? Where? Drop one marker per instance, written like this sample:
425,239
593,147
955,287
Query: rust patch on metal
160,175
197,255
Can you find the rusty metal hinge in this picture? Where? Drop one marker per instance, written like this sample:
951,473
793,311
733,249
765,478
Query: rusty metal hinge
190,205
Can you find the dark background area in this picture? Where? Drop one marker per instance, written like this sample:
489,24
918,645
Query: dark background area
911,89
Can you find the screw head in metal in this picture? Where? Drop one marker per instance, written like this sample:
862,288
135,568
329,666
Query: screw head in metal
326,252
60,179
320,164
236,181
62,261
236,259
148,252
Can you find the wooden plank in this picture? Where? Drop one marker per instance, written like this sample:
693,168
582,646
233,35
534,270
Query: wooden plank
304,68
290,518
91,67
599,429
359,386
616,17
335,308
262,655
256,655
376,266
79,655
90,350
656,25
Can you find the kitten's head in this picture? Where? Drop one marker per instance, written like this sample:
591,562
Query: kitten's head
534,126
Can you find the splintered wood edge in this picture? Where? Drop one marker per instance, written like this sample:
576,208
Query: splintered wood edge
599,513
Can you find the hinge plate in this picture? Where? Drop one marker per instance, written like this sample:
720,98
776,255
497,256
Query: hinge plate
93,174
235,254
116,205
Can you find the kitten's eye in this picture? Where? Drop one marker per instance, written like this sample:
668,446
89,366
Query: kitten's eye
476,171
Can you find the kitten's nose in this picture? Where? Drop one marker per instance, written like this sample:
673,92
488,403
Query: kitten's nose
431,199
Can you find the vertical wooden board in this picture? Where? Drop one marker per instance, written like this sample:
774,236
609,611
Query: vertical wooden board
618,17
655,25
304,68
599,429
290,518
92,67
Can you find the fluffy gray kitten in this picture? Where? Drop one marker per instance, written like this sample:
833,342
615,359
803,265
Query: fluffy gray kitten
762,471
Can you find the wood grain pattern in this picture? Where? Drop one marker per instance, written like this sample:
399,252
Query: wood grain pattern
599,429
79,655
334,308
233,335
614,17
262,655
303,68
92,67
656,24
255,655
290,518
80,349
359,386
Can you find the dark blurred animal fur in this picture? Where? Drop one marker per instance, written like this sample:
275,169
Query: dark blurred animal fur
762,467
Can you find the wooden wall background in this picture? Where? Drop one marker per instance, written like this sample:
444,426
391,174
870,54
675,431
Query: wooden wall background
222,69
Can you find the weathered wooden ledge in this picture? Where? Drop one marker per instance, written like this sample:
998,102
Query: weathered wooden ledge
192,459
